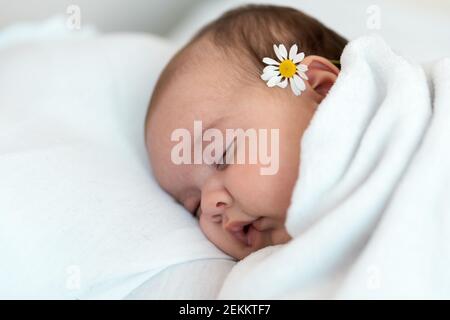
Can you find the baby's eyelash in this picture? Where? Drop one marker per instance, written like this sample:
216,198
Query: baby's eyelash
222,164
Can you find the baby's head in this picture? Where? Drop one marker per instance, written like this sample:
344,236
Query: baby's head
216,79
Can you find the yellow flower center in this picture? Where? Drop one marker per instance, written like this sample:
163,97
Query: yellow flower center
287,68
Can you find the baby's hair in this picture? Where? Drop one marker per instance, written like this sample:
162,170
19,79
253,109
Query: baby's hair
248,33
252,30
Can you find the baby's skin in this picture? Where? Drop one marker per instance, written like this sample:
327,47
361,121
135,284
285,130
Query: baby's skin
239,209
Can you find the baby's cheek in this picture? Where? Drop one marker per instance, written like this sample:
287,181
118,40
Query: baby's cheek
255,192
211,231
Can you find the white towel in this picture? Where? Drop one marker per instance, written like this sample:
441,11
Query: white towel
370,213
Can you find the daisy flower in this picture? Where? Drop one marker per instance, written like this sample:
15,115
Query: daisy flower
288,68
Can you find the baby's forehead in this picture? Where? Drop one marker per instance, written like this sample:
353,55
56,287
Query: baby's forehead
194,95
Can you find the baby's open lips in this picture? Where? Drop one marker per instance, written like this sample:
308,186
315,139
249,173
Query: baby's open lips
243,231
242,234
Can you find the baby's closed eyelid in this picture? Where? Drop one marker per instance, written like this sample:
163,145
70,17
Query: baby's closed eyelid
225,159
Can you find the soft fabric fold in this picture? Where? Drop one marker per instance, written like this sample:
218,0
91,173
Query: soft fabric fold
370,212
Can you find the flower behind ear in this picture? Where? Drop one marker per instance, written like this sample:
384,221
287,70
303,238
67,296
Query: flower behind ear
287,69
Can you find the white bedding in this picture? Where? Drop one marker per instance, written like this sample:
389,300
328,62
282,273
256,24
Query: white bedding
200,279
370,213
80,214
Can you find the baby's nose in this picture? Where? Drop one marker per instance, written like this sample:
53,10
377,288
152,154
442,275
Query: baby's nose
221,204
218,209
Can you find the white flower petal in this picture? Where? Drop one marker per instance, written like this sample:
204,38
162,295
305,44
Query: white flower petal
274,81
266,76
270,61
283,84
294,88
283,51
302,67
293,52
299,57
277,52
270,68
302,75
299,83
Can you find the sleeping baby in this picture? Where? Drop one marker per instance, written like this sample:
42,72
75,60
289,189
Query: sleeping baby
254,70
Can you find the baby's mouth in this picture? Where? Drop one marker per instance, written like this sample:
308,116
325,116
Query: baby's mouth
244,233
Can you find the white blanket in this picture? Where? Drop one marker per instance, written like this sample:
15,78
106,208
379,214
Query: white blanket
370,213
81,216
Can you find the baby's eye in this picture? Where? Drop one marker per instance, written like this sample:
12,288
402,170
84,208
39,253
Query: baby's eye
223,162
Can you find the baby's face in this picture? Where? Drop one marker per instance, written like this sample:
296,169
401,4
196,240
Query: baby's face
239,209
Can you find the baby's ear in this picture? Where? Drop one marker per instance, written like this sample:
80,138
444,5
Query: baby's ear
322,74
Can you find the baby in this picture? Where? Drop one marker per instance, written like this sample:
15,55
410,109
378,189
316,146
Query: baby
220,79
